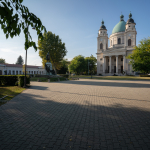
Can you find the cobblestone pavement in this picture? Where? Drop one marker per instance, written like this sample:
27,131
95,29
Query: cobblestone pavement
82,114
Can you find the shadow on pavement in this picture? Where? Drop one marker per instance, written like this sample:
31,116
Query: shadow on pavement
114,84
31,122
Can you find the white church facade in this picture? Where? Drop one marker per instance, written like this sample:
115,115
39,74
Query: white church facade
112,60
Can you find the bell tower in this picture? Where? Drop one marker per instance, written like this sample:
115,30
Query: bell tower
130,32
102,39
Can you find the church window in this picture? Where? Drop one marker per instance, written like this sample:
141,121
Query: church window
129,42
119,40
101,46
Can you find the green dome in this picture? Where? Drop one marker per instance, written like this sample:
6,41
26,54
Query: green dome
120,27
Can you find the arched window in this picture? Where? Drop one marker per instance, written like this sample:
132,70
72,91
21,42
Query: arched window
119,40
129,42
101,46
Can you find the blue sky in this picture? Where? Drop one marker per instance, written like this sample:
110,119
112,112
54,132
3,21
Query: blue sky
77,23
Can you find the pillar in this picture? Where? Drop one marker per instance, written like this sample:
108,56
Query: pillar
116,64
104,64
109,64
124,63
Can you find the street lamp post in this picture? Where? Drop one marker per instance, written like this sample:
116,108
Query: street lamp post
26,61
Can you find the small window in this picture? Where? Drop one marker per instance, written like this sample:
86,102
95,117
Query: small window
129,42
101,46
101,59
119,40
121,59
129,26
101,31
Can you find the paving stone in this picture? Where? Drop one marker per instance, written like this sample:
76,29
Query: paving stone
80,114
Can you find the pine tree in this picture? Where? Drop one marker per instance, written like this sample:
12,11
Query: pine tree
20,60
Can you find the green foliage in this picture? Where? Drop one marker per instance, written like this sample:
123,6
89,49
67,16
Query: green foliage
144,75
91,60
15,17
19,60
64,75
8,80
11,80
2,61
52,44
21,80
64,67
140,57
79,64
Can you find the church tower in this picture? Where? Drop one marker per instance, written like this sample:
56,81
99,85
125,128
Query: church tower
102,39
130,30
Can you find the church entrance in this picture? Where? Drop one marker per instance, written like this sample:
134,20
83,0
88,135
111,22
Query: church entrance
121,69
114,69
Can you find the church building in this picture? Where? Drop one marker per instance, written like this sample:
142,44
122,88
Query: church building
112,60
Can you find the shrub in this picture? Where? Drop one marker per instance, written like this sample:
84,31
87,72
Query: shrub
144,75
53,79
8,80
64,75
12,80
21,80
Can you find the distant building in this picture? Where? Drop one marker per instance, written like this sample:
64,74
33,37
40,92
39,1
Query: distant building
112,59
15,69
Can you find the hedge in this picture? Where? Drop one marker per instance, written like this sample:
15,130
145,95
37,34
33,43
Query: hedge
144,75
12,80
64,75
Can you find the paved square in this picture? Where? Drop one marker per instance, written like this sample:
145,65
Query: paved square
81,114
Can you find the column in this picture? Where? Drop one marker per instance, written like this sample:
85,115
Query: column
104,64
116,64
109,64
124,63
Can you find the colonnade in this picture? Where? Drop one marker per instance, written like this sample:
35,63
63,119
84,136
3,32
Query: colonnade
110,63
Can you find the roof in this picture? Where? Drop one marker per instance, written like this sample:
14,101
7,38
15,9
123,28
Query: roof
119,27
20,66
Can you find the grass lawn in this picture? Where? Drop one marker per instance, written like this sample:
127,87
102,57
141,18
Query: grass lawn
112,77
11,91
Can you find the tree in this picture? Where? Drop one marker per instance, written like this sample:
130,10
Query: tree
91,60
77,65
57,50
23,69
2,61
19,60
15,17
64,67
140,57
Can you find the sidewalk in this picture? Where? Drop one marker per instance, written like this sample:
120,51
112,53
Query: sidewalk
79,114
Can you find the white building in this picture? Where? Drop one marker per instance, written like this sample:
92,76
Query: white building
14,69
112,59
